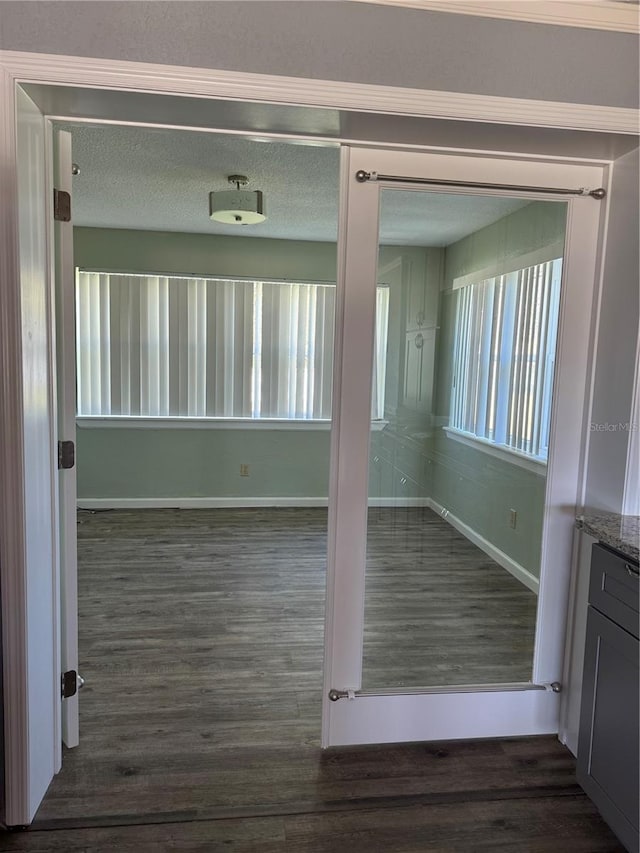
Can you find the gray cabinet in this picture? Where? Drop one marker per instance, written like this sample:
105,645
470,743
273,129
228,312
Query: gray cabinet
608,744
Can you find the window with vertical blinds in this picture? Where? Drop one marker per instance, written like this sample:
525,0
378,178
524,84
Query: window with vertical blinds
504,357
184,347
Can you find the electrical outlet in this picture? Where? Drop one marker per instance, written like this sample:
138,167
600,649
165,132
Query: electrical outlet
513,519
244,470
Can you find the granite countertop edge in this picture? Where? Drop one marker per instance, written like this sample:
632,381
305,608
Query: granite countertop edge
621,532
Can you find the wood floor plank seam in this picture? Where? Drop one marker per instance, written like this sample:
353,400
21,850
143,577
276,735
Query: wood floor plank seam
292,809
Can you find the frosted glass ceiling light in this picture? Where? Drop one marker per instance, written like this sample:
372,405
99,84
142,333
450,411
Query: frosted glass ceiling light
237,207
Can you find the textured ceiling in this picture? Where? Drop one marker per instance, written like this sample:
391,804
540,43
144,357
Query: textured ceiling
159,180
419,218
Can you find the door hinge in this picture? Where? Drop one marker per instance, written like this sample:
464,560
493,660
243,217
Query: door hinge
66,454
69,683
61,206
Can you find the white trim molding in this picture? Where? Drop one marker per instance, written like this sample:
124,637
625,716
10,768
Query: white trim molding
502,559
88,72
500,451
618,16
269,424
233,502
102,504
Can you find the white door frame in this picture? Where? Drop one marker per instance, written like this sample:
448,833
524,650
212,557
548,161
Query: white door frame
394,715
118,76
29,555
59,151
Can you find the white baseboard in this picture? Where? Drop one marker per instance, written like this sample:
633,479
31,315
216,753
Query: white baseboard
399,502
502,559
232,503
196,503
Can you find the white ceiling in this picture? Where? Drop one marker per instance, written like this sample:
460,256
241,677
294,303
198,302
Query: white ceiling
159,180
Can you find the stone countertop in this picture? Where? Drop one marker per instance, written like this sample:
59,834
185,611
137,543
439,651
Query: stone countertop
621,532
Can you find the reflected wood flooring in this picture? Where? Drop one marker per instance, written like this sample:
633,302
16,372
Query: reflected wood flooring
201,645
439,611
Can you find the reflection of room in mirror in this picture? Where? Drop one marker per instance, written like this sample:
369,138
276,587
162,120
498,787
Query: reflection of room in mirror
458,458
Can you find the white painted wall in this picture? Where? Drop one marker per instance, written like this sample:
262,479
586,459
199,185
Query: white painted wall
631,497
355,42
616,344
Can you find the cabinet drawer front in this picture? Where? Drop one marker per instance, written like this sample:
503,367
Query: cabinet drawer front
614,588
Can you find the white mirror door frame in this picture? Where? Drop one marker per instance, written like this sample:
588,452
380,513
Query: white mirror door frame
388,716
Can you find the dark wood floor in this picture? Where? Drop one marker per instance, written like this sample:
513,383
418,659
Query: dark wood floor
438,611
201,644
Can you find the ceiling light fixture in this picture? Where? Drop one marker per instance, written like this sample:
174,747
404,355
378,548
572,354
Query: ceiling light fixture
237,207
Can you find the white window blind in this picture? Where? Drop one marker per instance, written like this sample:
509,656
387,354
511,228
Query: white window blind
504,354
168,346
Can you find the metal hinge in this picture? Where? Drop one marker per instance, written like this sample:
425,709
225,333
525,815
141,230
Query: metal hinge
69,683
61,206
66,454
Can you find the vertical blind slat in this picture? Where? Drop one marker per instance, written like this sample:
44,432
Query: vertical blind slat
524,361
516,398
163,347
134,346
535,357
542,343
145,346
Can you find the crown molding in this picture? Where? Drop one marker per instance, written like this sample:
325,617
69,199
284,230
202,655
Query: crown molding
120,75
616,15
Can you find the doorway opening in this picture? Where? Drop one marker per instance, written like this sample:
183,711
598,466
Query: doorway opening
202,507
204,359
29,767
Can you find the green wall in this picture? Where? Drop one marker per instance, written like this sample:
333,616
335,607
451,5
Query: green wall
481,490
116,250
186,462
189,463
532,228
